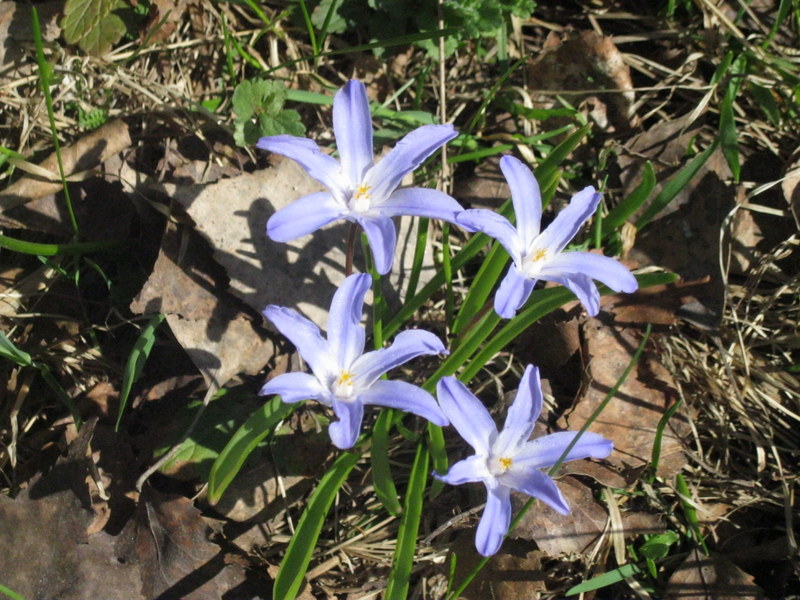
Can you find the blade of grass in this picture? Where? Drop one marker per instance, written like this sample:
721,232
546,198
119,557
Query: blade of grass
620,213
37,249
10,593
655,457
403,560
312,36
381,471
605,580
689,511
301,547
9,351
136,360
419,256
258,426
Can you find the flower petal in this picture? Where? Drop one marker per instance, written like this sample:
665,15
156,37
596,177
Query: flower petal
420,202
522,414
407,345
303,216
352,126
582,286
404,396
466,414
526,197
294,387
319,165
344,432
408,154
494,225
345,333
494,522
472,468
306,338
603,268
382,238
569,221
543,452
539,485
514,291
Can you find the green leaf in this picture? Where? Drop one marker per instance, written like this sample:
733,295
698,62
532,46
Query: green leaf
9,351
766,102
94,25
381,472
606,579
658,546
133,368
301,547
620,213
258,106
10,593
229,462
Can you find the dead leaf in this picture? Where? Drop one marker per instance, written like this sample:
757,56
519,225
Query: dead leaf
16,32
221,338
658,304
86,153
711,577
176,557
558,534
631,418
585,60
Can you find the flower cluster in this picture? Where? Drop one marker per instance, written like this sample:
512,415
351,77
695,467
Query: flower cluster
345,378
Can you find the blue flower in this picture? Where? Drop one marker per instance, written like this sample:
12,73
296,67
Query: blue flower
344,377
359,190
539,254
507,460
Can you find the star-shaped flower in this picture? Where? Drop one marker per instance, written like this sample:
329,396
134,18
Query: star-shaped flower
507,460
539,254
360,190
344,377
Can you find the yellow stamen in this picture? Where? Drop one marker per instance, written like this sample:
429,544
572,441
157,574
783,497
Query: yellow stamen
362,192
539,254
505,463
345,378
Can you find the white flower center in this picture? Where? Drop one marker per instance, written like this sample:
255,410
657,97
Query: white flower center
499,465
532,262
343,385
360,200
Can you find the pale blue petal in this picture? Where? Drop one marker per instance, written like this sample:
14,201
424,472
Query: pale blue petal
494,522
382,238
319,165
522,414
407,345
494,225
603,268
569,221
539,485
466,414
582,286
344,432
345,334
303,216
352,126
525,196
514,291
306,338
405,157
294,387
404,396
472,468
420,202
543,452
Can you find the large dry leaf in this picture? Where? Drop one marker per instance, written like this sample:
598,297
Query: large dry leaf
631,418
221,338
711,578
303,274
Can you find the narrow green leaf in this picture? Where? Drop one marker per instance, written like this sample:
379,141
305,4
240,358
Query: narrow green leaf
229,462
136,360
765,100
295,562
606,579
689,511
657,546
10,593
37,249
482,285
728,137
403,560
620,213
655,456
676,183
381,471
438,452
10,351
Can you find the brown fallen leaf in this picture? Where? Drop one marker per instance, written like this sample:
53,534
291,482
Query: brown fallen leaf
86,153
220,336
658,304
558,534
631,418
711,577
16,32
